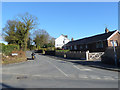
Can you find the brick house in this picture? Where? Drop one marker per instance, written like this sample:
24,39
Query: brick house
97,43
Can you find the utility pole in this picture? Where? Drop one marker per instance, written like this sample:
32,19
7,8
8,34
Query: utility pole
114,53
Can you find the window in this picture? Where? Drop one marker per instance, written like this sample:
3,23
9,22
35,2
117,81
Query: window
81,47
75,47
114,42
71,47
63,42
99,44
86,46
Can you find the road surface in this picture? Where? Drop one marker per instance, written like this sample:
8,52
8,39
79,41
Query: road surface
46,72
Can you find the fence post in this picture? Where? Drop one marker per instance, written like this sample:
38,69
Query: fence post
87,55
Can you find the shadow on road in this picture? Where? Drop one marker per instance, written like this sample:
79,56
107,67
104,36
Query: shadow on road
97,64
8,87
29,59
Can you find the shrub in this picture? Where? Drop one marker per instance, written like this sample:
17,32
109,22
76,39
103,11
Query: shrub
62,50
1,45
7,49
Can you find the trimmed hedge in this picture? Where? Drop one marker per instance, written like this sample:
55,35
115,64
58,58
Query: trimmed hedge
62,50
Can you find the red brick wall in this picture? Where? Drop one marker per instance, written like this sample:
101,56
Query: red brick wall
115,37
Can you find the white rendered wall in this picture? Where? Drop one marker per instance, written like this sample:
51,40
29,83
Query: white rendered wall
59,41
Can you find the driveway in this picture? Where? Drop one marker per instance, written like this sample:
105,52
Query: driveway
46,72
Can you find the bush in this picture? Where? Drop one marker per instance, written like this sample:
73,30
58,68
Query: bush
7,49
1,45
62,50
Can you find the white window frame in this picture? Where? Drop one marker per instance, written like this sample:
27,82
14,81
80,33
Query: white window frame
75,47
115,43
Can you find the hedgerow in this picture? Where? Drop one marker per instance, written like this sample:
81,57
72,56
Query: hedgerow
7,49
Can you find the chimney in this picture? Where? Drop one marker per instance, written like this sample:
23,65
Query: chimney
106,30
66,36
72,39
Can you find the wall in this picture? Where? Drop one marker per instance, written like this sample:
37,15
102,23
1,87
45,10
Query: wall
109,56
59,54
80,55
72,55
115,37
92,47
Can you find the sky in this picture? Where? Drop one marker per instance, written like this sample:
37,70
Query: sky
75,19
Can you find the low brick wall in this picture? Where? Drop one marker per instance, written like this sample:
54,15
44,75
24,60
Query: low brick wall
72,54
50,53
109,56
59,54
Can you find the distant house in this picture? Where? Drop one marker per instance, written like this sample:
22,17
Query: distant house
61,40
96,43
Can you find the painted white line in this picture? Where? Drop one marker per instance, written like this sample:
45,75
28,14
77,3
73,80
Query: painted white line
16,74
83,76
83,69
87,69
58,69
94,77
108,78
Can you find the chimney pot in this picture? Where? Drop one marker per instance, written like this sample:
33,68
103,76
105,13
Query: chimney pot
72,39
106,30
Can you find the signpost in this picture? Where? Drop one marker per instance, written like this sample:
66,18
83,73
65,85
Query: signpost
14,54
114,53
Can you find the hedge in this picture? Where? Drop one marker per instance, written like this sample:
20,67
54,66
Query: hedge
7,49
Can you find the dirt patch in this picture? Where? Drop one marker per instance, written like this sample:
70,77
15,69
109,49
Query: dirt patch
14,59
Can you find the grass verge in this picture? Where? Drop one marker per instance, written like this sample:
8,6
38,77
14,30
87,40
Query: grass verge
14,59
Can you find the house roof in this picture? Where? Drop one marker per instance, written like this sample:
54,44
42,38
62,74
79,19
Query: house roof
96,38
65,36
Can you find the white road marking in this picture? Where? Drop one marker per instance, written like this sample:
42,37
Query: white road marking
94,77
83,69
83,76
108,78
58,69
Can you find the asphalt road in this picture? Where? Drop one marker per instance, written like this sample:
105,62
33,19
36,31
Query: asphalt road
46,72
